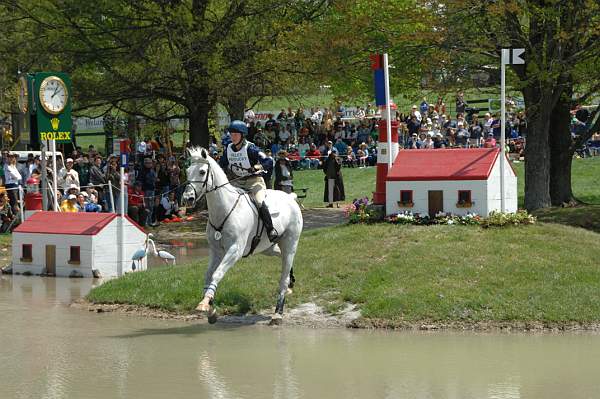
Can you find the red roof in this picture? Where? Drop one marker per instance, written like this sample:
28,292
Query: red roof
444,164
76,223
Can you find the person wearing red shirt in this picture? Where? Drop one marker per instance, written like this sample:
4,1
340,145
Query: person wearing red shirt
136,209
490,141
294,157
312,157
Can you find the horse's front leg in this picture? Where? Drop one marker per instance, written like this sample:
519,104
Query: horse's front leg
287,261
215,256
233,254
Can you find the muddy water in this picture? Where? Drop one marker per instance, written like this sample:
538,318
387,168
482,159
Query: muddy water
48,350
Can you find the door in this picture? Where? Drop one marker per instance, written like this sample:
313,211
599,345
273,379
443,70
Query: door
436,202
51,259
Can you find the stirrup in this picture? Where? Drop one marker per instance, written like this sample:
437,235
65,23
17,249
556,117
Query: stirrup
273,235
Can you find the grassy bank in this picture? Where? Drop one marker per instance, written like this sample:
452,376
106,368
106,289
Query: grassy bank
399,274
409,274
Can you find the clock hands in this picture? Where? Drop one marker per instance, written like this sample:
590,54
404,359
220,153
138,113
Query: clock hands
58,88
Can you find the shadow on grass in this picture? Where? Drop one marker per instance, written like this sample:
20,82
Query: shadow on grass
234,301
584,216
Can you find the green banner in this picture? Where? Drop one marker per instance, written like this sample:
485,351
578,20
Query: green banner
52,93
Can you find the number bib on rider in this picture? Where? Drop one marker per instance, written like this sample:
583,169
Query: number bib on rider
239,162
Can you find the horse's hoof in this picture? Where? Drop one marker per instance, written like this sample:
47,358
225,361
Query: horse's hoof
276,320
202,308
205,305
212,317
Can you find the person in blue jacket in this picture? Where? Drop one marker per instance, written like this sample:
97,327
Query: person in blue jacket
244,163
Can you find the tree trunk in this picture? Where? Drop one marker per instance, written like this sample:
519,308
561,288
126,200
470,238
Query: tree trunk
199,132
236,107
537,152
561,152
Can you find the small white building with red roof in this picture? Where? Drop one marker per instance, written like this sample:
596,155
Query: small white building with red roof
75,244
457,181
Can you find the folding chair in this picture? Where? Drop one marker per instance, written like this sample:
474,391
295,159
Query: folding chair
301,195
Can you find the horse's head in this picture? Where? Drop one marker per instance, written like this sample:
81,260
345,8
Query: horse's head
198,176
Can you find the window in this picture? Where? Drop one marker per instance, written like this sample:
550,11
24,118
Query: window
464,198
74,255
406,198
26,253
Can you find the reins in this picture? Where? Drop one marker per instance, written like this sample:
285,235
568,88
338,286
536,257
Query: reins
215,188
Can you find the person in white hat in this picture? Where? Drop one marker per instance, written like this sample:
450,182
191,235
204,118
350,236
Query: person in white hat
68,176
415,111
70,204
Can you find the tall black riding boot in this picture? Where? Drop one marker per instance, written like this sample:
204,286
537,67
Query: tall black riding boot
265,215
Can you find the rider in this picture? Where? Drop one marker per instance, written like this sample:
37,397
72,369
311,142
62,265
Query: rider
243,163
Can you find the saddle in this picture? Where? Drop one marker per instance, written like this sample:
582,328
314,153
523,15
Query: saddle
260,225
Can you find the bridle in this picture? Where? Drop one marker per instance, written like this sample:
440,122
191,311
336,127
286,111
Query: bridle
215,188
204,185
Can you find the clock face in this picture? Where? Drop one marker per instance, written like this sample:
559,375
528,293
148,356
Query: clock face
23,94
53,95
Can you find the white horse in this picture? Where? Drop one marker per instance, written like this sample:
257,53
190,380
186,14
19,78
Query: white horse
233,224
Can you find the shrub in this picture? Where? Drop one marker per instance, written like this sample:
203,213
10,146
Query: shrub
359,212
506,219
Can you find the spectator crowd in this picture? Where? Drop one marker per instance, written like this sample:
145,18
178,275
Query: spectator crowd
292,140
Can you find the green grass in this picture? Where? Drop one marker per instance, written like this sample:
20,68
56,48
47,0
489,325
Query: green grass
546,272
404,102
5,240
543,272
358,183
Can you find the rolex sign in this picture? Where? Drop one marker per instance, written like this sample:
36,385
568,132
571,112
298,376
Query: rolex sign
52,91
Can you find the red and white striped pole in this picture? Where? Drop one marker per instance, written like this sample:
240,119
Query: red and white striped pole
384,158
387,146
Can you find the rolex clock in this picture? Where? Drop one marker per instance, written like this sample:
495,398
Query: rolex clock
23,94
50,103
54,95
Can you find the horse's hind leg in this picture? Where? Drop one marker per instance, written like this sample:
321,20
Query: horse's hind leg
287,261
272,251
292,278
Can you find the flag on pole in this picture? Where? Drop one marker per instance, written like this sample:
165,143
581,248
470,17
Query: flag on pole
378,78
513,56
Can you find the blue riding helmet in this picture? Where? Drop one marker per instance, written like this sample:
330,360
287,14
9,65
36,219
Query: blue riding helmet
238,126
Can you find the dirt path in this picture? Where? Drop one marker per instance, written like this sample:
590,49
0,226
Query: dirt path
313,218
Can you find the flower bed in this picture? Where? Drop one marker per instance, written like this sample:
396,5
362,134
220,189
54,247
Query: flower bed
357,211
440,218
360,212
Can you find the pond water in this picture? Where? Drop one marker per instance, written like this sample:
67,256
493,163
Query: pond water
49,350
185,251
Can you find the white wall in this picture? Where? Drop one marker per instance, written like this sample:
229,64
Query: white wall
450,187
96,252
484,194
63,243
510,189
106,248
